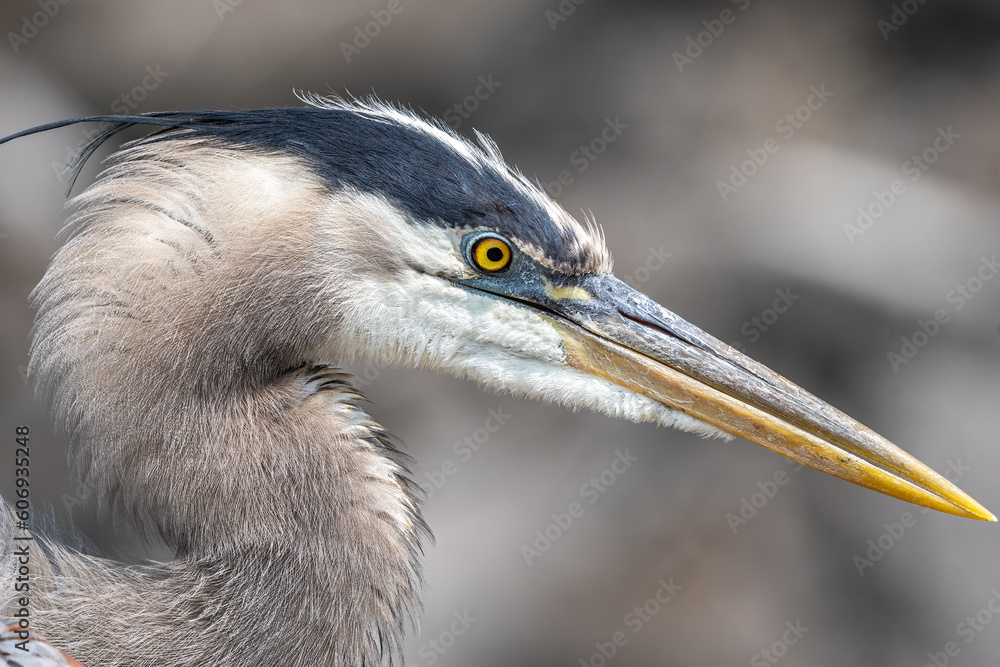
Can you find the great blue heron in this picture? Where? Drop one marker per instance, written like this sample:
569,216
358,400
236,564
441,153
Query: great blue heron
183,338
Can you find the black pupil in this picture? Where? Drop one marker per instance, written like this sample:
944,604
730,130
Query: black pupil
494,254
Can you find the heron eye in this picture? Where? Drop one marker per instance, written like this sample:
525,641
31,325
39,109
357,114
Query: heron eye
491,254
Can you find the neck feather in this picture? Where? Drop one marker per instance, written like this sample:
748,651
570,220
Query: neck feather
178,342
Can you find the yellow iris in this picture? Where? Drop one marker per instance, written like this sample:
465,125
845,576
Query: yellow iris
491,254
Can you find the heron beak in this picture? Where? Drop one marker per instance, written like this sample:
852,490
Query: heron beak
614,332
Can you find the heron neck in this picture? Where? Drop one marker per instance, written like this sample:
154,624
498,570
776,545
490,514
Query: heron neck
176,343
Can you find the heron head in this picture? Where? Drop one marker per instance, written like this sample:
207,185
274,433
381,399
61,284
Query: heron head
459,263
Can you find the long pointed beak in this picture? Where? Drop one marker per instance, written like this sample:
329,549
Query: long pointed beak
615,332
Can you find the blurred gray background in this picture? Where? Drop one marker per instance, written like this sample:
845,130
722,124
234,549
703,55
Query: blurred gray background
693,89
